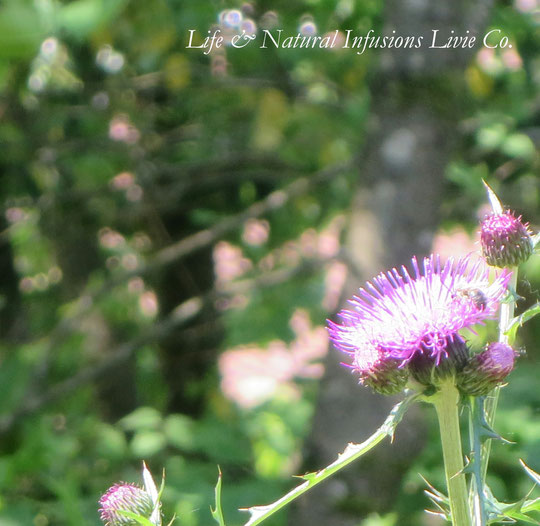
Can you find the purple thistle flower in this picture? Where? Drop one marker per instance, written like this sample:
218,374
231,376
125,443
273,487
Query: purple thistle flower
487,369
125,497
505,240
398,317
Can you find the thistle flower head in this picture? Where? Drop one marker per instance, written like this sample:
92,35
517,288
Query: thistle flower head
399,316
487,369
505,240
124,497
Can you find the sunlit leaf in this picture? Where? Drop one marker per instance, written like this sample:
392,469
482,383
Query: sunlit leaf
518,321
151,489
494,200
149,484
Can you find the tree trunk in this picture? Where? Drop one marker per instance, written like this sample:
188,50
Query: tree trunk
417,103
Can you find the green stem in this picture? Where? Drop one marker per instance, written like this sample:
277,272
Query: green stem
477,495
507,309
506,314
446,405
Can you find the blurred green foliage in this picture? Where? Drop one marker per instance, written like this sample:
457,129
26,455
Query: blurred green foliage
118,142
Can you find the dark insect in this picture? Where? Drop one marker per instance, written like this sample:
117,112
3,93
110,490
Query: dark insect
473,294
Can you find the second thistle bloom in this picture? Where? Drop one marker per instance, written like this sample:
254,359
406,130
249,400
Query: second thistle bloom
505,240
124,497
400,319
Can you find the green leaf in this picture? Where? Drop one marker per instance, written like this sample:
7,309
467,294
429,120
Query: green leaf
179,430
352,452
516,510
519,145
82,17
531,505
491,137
522,517
146,443
217,512
518,321
21,31
137,518
143,418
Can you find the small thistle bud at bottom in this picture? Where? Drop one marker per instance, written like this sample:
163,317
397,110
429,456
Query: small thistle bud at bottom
124,497
429,369
505,240
487,369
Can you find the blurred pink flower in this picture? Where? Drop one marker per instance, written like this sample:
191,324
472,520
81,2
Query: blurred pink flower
229,262
526,6
494,62
148,304
455,243
111,239
256,232
334,280
338,42
16,214
329,238
121,129
512,59
487,60
252,375
122,181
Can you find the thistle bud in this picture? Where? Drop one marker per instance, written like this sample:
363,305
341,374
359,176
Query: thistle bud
487,369
371,361
124,497
385,376
505,240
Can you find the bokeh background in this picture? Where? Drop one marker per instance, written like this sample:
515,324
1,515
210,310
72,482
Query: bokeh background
176,228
